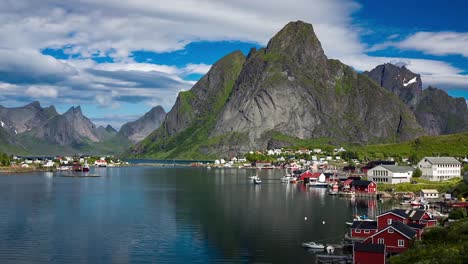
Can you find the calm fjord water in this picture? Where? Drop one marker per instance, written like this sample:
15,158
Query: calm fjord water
166,215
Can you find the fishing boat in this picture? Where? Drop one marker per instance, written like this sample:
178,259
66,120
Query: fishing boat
313,245
418,202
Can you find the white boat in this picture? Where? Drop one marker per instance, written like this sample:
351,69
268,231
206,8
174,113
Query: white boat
257,181
317,184
286,179
252,178
209,167
313,245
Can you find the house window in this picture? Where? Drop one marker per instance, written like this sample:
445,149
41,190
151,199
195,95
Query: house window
366,231
381,241
390,230
357,231
401,242
389,221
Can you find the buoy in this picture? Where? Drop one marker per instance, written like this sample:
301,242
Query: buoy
323,222
305,218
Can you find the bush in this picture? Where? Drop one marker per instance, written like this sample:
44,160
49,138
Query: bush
458,214
417,173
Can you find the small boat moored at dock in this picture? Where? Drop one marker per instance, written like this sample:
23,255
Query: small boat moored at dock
313,245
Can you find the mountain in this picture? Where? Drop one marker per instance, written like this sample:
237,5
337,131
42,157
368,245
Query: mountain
137,130
71,128
287,90
35,130
440,113
20,119
400,81
435,110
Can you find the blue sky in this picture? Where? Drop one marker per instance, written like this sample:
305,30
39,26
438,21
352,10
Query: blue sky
117,59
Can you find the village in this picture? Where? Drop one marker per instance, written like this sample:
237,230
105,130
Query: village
60,163
425,201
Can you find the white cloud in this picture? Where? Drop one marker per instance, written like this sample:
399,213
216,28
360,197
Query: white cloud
437,43
42,91
196,68
91,28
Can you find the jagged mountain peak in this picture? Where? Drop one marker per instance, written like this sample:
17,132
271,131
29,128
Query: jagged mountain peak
297,41
34,104
110,129
74,110
399,80
137,130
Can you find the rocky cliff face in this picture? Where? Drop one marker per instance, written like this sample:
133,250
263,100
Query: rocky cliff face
435,110
288,88
292,88
70,128
139,129
440,113
21,119
187,126
400,81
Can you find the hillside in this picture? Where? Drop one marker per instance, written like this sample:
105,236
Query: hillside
444,145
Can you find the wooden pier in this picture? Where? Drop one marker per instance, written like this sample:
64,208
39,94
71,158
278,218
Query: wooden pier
333,259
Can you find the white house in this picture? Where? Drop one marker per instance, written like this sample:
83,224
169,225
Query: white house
390,174
439,168
49,164
429,194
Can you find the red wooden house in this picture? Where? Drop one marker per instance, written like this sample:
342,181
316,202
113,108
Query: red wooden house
396,237
363,229
417,217
366,253
364,187
309,175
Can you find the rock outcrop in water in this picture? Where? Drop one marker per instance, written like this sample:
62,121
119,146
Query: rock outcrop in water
287,90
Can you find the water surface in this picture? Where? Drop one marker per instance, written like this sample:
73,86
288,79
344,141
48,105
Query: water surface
166,215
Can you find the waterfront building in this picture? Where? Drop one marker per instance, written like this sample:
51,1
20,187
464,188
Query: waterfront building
429,194
396,237
367,253
364,187
390,174
439,168
363,229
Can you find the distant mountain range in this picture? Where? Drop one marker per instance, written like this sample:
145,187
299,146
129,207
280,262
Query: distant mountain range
34,130
290,91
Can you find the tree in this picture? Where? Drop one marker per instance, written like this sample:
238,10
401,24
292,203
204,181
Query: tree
417,173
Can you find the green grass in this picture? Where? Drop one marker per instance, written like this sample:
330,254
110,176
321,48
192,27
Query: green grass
445,145
442,187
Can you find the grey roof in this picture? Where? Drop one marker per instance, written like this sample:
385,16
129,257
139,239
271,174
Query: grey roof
442,160
360,183
410,214
395,168
364,225
368,247
404,229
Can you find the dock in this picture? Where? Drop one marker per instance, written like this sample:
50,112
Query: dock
332,259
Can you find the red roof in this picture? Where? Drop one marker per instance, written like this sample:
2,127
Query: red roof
309,175
348,182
